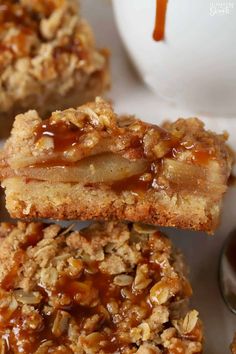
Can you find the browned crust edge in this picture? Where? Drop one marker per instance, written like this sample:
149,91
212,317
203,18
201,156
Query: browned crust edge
101,204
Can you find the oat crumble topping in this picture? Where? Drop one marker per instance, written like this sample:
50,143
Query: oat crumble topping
45,46
110,288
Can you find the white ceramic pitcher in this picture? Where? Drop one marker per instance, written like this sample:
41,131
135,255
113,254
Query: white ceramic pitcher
195,67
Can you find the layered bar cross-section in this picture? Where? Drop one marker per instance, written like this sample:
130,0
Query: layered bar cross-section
88,163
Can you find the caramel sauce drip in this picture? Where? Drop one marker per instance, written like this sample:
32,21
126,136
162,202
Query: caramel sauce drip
20,340
64,135
34,238
202,157
13,14
92,286
141,184
88,294
101,285
134,183
159,30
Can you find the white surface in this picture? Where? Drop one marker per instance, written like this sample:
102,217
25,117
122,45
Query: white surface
201,251
196,64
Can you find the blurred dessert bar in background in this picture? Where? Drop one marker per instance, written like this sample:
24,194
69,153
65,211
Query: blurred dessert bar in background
110,288
48,58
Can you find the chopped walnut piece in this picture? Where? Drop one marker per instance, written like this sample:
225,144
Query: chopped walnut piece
65,299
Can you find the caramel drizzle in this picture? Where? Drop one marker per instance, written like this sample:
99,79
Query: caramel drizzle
99,285
159,30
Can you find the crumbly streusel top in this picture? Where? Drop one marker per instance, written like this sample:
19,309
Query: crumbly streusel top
41,41
94,128
25,25
110,288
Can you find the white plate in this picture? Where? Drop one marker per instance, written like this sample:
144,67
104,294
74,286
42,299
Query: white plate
202,251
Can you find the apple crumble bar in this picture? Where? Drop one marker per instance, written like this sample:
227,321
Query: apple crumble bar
87,163
109,288
48,58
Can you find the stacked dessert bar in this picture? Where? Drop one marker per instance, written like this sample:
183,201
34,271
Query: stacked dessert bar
86,163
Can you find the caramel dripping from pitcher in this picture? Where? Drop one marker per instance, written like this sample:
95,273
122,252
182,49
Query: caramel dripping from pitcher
159,30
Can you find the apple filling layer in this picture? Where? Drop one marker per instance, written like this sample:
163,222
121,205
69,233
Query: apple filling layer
122,174
95,169
90,145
